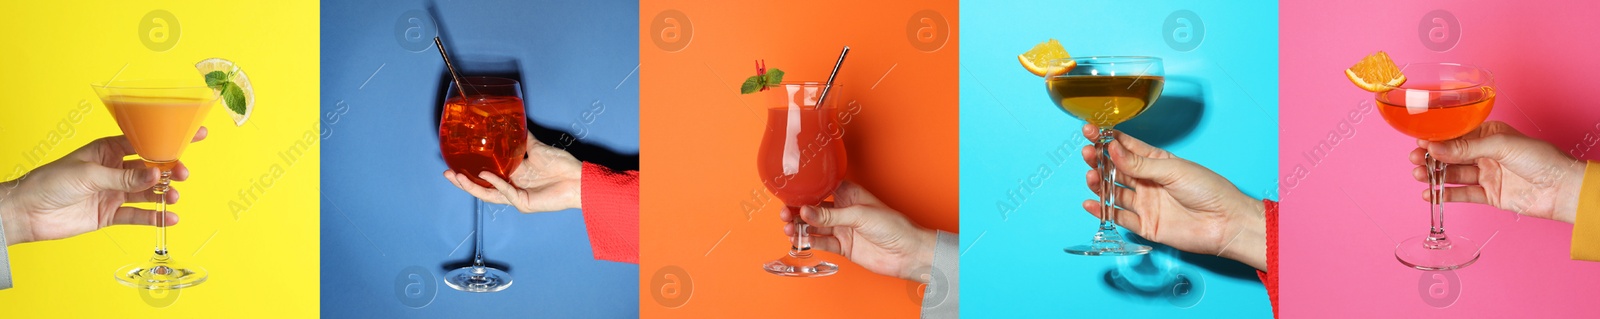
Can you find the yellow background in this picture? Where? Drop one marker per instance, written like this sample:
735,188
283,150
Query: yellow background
265,262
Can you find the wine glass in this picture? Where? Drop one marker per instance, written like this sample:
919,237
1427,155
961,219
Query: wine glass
1438,102
801,161
1105,91
483,128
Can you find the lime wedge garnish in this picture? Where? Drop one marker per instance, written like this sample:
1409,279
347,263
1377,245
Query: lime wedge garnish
225,77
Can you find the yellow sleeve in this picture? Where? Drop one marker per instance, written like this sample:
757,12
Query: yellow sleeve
1586,226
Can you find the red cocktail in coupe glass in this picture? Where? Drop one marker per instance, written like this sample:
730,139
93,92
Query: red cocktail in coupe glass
1438,102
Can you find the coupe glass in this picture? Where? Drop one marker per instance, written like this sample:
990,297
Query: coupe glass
1105,91
1438,102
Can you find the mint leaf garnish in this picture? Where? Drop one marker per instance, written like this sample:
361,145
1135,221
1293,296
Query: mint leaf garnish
774,77
232,96
752,84
215,79
760,82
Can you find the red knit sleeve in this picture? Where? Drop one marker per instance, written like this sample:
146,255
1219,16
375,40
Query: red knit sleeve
611,212
1270,277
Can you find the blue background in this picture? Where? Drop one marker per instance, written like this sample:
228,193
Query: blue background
1219,109
385,205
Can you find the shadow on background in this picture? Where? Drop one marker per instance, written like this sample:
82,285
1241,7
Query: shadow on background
584,151
1174,116
1161,275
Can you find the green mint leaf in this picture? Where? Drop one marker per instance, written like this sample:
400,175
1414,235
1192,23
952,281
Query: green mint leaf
233,97
215,79
774,77
752,85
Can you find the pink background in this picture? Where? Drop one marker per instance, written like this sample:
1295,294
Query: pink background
1343,217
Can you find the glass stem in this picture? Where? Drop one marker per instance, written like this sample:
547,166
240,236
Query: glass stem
801,243
160,191
1436,187
477,234
1108,180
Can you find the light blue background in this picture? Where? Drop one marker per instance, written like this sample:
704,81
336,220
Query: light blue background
385,206
1219,109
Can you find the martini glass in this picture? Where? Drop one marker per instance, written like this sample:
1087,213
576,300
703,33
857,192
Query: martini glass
483,128
801,161
1438,102
160,118
1105,91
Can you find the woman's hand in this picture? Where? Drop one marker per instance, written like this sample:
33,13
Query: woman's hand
550,179
84,191
872,235
1179,203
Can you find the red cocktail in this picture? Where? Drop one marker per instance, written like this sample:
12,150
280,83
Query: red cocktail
483,128
801,161
485,132
1439,101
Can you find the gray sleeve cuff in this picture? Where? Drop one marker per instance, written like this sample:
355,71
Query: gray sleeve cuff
940,298
5,261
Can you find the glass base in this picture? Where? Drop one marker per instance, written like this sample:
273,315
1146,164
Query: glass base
1108,243
160,272
801,264
1421,252
477,279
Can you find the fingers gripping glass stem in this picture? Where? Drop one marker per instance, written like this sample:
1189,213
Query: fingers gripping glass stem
802,239
800,262
161,272
1436,251
1108,181
1107,240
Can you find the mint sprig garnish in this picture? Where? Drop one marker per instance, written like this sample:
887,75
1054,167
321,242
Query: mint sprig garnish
762,80
232,95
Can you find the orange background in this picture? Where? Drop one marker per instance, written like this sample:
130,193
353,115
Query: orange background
700,136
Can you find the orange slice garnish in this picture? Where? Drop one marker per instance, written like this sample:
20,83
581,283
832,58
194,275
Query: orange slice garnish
1037,60
1376,73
